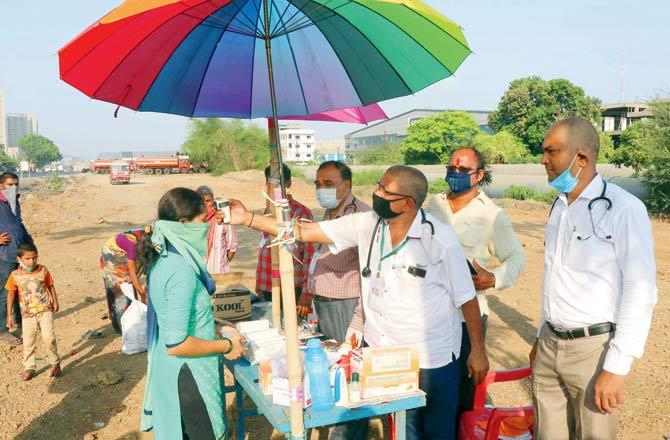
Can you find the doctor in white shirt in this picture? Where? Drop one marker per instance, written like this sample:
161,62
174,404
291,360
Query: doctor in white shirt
598,292
414,280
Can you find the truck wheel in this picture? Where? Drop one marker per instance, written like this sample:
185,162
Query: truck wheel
167,171
158,171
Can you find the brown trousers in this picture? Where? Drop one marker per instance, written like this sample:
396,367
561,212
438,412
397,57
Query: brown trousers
564,377
44,322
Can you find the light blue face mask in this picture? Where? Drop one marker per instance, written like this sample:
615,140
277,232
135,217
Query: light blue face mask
27,268
327,198
566,182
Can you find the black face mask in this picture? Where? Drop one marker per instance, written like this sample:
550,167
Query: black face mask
382,207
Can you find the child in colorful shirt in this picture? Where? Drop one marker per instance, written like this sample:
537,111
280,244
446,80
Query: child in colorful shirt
33,285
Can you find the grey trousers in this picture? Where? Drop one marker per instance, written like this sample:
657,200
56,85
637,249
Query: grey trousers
334,320
564,376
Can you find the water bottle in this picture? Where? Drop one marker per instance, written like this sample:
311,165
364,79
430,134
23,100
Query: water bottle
316,365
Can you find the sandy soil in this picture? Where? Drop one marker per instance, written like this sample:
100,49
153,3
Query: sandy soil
71,227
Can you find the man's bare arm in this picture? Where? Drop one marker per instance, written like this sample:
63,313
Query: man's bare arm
305,231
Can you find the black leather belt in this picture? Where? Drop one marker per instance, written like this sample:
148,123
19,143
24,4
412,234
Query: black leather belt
576,333
319,298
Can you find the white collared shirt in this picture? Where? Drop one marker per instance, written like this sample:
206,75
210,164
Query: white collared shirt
421,312
484,230
596,280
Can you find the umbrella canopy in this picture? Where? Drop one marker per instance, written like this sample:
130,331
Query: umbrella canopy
353,115
206,58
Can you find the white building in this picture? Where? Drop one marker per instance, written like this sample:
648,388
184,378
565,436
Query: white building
297,144
3,121
18,126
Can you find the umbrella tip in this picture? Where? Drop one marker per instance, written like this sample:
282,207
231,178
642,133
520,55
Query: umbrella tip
116,112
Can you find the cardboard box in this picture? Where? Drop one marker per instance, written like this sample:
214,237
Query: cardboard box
389,371
232,300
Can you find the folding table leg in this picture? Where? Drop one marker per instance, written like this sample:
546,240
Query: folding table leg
239,403
400,427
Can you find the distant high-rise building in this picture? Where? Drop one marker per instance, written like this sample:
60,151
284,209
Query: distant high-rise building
18,126
3,121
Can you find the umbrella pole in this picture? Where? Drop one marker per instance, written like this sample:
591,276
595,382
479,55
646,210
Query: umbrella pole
286,264
276,282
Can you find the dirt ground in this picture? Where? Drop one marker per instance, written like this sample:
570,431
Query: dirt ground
70,228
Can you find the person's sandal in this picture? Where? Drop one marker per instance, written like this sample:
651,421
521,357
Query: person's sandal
10,339
27,375
55,371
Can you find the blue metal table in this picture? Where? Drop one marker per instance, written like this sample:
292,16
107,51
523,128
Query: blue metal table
246,380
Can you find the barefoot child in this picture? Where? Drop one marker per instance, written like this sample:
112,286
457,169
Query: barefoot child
33,285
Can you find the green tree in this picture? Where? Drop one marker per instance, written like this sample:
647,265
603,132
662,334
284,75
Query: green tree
502,147
6,162
531,105
637,147
389,154
39,150
433,139
607,151
645,146
227,145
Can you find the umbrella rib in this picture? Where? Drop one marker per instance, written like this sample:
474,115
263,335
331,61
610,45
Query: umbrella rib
297,72
297,25
133,49
344,67
374,46
414,39
442,30
281,17
202,80
253,58
250,27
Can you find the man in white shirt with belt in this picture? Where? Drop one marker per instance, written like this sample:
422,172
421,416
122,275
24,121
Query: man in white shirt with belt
414,281
484,231
598,292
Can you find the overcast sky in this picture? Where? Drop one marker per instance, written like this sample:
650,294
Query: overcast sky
582,41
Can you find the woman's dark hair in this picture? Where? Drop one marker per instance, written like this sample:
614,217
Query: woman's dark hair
176,204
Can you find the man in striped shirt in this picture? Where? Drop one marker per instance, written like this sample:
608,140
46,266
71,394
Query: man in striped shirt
302,251
334,279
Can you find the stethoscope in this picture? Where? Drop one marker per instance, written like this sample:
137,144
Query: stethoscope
608,205
366,272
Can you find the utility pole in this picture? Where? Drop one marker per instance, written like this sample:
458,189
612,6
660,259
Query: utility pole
621,85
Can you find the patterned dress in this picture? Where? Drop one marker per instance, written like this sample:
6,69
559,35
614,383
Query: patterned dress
114,265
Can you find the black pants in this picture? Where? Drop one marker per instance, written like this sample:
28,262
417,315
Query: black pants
195,422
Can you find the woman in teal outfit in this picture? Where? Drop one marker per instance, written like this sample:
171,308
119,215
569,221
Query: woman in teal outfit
183,397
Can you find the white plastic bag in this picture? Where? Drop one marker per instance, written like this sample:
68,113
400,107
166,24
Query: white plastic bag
133,323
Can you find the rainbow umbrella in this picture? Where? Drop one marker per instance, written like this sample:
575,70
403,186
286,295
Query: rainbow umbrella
263,58
211,58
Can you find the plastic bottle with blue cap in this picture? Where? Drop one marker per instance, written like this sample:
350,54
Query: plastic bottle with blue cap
318,369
